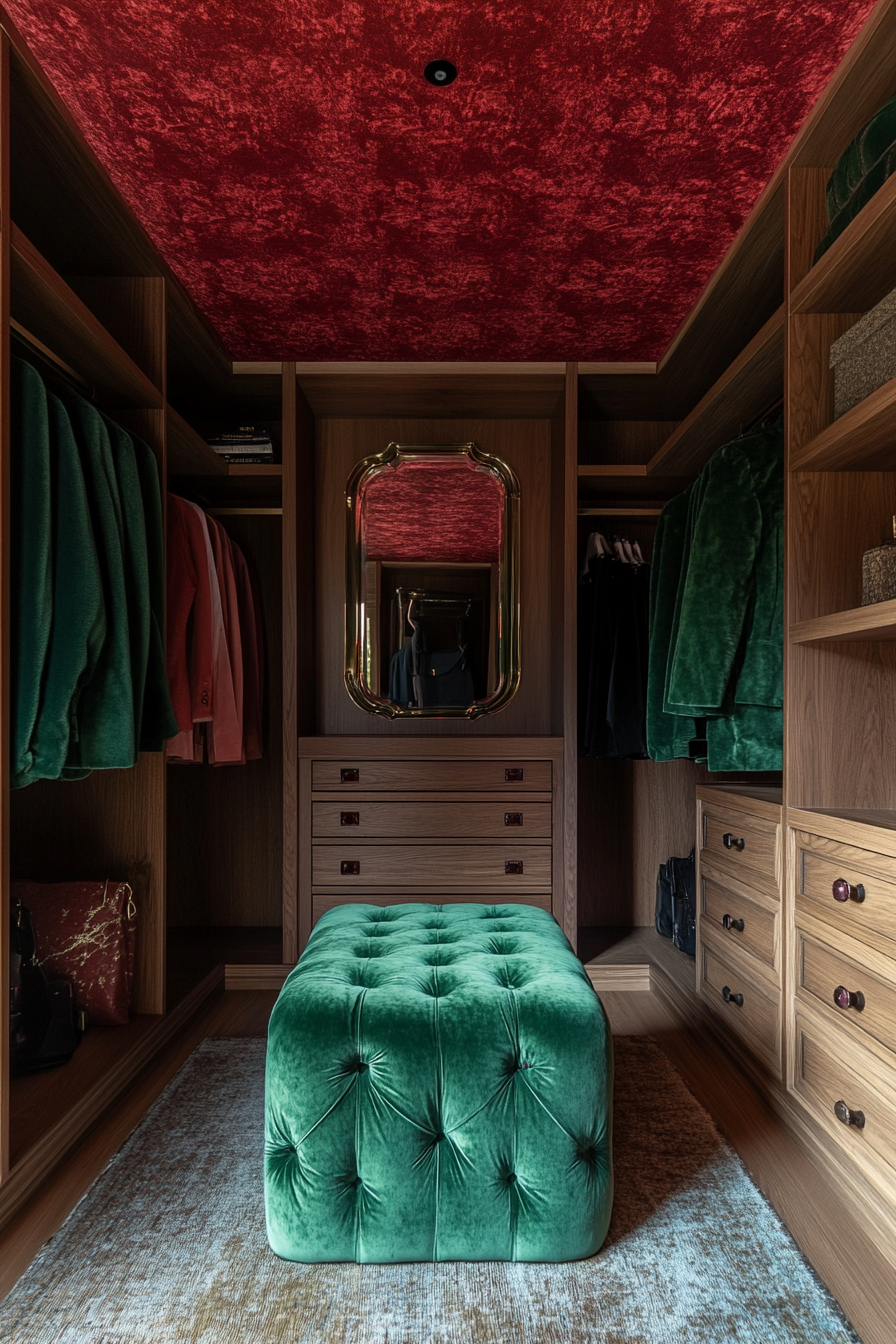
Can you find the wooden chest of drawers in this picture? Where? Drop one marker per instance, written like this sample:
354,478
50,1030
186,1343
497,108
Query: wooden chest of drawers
427,819
739,917
843,1007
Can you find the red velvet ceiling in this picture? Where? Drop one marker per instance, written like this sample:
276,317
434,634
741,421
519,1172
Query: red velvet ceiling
566,197
446,512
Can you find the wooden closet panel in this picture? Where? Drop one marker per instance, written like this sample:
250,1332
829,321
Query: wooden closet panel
526,445
109,825
225,828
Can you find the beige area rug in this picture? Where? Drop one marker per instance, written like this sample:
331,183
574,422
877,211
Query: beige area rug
169,1243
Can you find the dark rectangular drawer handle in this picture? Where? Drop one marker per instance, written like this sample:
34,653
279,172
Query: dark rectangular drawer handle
350,776
350,867
513,867
349,818
513,774
513,818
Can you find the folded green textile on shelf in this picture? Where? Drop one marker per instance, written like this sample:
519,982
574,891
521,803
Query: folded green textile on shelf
860,172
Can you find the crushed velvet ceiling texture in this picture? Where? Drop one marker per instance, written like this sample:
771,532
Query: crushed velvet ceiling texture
565,198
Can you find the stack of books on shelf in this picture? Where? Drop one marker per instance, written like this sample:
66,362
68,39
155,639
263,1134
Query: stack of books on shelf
245,445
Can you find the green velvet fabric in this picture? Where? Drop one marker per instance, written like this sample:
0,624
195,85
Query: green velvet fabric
861,170
79,611
439,1087
31,555
105,736
719,656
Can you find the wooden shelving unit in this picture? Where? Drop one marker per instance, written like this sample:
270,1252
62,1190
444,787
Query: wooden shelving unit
863,439
750,385
859,267
45,306
858,625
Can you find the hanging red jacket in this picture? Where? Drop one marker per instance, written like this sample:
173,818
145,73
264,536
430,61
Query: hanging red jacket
189,662
225,736
253,656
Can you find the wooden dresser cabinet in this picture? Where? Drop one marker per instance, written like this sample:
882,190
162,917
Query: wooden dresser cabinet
843,966
427,819
739,916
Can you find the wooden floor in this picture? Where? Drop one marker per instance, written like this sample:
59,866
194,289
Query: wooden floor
777,1164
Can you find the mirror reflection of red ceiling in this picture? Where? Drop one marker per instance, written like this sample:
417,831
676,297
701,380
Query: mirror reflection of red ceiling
567,197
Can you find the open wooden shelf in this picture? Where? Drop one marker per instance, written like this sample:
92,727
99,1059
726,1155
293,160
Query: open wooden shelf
863,439
859,624
50,310
190,456
605,483
859,267
747,388
50,1111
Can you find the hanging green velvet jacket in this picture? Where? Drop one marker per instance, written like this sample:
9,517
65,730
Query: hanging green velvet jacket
31,558
668,734
104,735
722,658
79,612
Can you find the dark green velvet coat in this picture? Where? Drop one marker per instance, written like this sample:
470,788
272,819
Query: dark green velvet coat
31,559
79,612
721,655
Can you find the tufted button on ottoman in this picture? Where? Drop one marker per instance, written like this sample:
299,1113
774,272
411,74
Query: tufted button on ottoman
439,1087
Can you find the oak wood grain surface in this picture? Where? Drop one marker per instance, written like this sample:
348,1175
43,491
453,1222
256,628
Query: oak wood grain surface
756,1021
395,775
477,867
50,309
760,934
414,820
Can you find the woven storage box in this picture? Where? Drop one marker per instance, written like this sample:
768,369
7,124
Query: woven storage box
864,358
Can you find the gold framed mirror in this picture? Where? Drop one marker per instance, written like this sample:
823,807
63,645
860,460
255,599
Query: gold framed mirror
432,609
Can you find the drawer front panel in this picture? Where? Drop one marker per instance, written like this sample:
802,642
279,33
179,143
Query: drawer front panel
823,865
759,931
506,818
757,1019
822,1079
743,845
846,990
493,868
507,777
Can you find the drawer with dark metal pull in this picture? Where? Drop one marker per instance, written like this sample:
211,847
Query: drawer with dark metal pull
849,888
411,820
742,844
743,1002
744,921
840,1087
845,989
433,776
476,867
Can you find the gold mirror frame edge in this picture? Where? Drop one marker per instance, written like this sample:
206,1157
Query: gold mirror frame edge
508,652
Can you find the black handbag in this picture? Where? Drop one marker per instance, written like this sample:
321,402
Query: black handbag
44,1027
684,904
443,677
663,912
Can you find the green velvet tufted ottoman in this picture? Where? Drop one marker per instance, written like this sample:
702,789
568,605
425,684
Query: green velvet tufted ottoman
439,1087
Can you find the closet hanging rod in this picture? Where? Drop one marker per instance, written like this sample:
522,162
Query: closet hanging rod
257,513
49,357
619,513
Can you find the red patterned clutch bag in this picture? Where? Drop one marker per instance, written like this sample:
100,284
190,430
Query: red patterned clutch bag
85,932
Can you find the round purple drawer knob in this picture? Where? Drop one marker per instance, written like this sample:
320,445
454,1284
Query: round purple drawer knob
842,891
845,998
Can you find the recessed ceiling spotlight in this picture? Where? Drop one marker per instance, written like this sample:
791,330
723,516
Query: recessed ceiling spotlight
440,73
